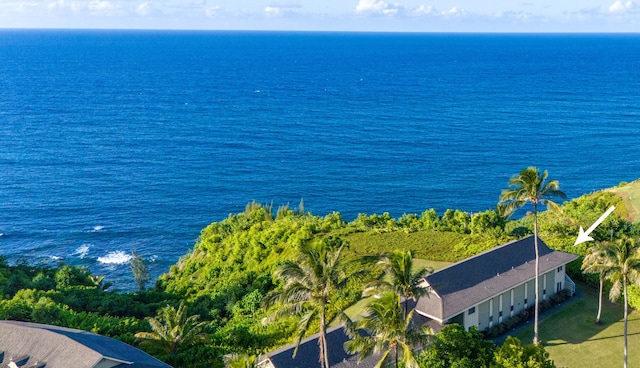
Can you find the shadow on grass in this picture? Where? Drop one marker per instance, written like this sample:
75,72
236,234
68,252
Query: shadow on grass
574,321
592,339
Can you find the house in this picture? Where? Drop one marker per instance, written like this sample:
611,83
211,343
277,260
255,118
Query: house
479,291
24,344
308,354
490,287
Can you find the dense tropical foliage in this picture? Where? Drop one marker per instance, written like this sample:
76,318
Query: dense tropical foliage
227,276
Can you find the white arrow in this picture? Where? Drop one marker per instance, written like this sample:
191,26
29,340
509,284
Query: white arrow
583,236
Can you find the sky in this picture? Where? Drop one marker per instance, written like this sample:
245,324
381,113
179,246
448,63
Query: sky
328,15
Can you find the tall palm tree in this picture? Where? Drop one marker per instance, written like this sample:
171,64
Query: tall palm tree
596,262
397,266
309,285
622,268
387,333
173,329
532,186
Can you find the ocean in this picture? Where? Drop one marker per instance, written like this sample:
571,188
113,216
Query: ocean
121,141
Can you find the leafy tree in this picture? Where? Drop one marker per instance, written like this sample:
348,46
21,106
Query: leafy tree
309,285
140,270
71,276
489,222
240,361
98,281
456,348
596,262
397,266
513,355
622,267
172,329
532,186
388,333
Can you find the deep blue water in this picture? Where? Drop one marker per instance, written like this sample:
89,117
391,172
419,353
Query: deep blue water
113,141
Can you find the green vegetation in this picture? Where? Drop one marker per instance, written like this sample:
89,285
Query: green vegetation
388,332
574,340
630,194
455,347
311,285
237,262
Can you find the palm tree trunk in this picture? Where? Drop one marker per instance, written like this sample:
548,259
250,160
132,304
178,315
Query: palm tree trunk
404,309
535,240
600,300
624,288
396,353
324,354
322,342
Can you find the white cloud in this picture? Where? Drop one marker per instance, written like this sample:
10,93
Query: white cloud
281,10
101,6
377,6
453,11
214,11
273,11
424,10
19,6
620,7
143,9
74,6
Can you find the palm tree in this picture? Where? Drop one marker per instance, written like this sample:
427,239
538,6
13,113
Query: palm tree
387,333
240,361
397,267
621,268
173,329
532,186
309,285
596,262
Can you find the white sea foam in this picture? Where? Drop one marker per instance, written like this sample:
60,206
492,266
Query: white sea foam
117,257
98,228
82,251
55,258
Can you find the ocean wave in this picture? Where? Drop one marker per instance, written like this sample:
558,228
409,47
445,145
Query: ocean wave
82,251
97,228
117,257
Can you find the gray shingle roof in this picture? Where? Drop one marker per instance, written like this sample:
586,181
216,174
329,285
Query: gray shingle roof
309,353
61,347
476,279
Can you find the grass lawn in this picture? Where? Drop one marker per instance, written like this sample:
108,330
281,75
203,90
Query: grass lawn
355,311
630,194
573,339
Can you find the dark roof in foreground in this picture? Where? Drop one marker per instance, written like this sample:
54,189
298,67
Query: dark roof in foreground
59,347
476,279
309,353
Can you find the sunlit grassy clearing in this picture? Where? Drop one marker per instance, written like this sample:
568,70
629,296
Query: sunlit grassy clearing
630,194
572,338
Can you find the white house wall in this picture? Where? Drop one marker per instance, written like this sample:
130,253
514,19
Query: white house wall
487,313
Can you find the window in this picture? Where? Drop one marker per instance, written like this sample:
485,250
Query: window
512,308
472,310
500,315
490,318
559,268
525,300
